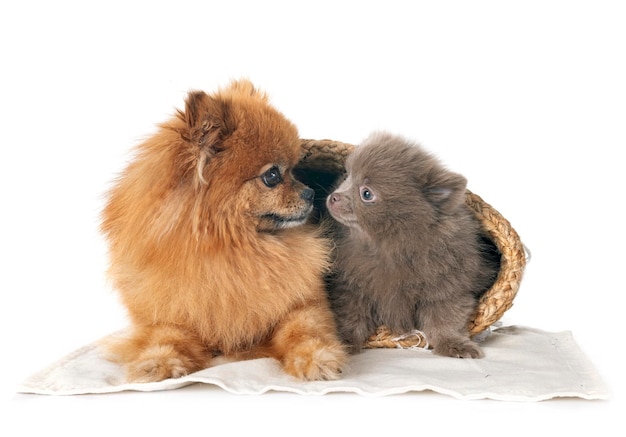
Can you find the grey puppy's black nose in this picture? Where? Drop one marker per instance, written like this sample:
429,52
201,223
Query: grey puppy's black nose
308,194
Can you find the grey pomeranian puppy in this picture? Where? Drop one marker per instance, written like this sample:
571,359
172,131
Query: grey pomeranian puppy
409,253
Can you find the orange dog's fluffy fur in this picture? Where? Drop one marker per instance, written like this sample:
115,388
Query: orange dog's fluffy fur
209,249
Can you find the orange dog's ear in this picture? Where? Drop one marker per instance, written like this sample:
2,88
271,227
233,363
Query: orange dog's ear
208,121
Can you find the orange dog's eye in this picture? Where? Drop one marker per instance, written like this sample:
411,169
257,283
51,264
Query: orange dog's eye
272,177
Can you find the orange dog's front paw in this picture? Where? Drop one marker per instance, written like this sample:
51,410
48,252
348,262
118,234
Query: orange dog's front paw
158,363
314,360
155,353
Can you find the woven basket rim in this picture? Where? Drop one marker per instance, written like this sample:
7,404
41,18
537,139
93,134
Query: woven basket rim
330,156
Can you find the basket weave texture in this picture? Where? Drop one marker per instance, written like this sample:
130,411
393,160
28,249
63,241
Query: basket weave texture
322,163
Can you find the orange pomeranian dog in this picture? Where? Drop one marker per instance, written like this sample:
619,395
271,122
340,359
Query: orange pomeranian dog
209,248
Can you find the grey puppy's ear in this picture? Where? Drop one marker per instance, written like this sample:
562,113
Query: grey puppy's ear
446,191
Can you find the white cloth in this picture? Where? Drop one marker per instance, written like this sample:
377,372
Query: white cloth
520,364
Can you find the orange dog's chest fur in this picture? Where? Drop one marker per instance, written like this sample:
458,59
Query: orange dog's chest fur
209,294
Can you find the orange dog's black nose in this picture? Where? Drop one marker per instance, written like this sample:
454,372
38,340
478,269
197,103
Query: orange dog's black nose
308,194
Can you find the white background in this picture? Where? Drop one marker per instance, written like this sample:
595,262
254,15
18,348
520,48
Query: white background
527,99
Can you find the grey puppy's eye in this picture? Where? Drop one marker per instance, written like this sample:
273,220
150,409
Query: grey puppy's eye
367,195
272,177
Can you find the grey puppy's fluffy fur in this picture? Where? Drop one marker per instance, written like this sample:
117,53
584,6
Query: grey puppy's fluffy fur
409,252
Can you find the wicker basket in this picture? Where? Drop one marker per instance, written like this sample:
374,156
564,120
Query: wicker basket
322,164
